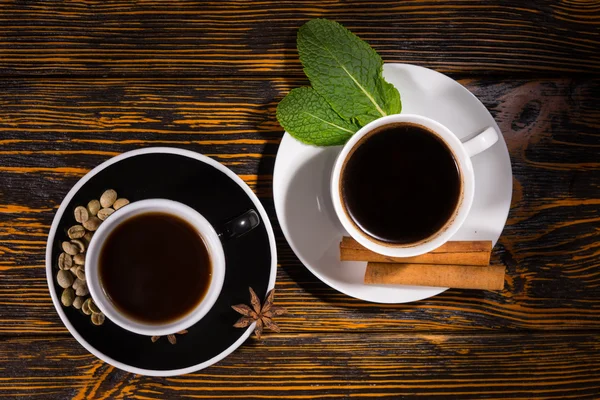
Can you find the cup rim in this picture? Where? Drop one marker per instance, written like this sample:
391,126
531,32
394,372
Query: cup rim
466,174
211,240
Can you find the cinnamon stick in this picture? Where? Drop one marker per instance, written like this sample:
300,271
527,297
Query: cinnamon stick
450,253
455,276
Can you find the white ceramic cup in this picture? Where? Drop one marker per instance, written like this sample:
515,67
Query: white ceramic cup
206,231
462,153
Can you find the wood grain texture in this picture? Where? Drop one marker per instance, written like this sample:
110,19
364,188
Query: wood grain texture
84,80
53,131
258,37
432,366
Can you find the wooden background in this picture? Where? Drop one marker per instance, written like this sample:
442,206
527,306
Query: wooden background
84,80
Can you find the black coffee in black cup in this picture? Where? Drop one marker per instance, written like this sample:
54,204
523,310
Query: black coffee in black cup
400,184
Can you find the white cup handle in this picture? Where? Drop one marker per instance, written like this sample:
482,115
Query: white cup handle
481,142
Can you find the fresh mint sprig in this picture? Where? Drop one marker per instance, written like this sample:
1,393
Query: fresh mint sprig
312,120
348,89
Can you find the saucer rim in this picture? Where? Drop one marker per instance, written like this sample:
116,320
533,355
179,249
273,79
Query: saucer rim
59,214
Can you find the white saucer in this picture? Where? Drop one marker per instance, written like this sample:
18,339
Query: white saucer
304,207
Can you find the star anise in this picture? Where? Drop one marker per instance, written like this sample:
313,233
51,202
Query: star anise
263,316
172,339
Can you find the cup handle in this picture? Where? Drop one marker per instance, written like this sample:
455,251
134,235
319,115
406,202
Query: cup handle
240,225
481,142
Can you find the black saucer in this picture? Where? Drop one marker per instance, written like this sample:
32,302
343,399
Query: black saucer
216,193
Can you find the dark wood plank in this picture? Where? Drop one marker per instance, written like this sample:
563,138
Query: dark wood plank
193,38
53,131
503,366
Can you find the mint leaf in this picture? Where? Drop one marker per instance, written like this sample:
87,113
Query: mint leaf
346,71
306,116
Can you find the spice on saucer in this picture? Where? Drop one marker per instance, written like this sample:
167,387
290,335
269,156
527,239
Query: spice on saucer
463,265
172,339
263,316
455,252
71,262
455,276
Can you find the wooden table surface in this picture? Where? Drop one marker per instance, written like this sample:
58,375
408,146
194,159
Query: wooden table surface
82,81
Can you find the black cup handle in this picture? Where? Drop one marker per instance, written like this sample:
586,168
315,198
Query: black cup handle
240,225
